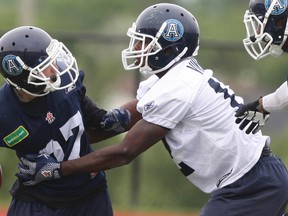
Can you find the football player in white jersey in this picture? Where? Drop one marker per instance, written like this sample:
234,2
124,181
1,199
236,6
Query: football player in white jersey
266,35
192,112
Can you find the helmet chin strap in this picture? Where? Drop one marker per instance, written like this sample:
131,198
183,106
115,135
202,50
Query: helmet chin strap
17,87
148,71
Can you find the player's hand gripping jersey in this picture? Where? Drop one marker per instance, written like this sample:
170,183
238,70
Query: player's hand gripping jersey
210,158
56,126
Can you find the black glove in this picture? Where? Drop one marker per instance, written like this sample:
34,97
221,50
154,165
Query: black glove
38,168
251,113
116,120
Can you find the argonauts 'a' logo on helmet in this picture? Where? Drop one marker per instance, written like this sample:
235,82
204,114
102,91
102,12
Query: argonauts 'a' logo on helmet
174,30
279,6
11,65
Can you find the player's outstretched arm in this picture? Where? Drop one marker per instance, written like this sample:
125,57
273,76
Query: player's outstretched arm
257,113
139,138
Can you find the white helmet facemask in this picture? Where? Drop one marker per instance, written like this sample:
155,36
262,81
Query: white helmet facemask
138,58
61,61
147,45
257,42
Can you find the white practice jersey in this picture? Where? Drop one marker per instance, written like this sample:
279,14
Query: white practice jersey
204,141
277,100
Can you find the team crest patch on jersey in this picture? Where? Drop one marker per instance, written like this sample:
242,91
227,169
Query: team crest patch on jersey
49,117
11,65
278,8
16,136
173,31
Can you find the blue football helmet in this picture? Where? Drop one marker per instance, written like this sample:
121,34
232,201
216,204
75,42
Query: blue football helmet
26,51
162,35
266,28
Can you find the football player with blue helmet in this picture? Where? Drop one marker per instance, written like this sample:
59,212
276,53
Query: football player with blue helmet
45,110
266,35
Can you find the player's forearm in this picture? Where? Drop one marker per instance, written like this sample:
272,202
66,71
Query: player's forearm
135,115
95,135
276,100
103,159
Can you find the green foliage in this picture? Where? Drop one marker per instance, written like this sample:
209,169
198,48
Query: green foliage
8,161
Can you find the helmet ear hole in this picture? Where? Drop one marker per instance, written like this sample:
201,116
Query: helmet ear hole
281,23
160,59
168,51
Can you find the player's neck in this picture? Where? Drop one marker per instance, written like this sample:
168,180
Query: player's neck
23,97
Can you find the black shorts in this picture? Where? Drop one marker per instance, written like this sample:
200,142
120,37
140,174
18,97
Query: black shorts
99,205
262,191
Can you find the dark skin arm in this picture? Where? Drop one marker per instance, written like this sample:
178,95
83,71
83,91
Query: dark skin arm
139,138
96,135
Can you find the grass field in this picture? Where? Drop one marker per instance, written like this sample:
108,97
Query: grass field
3,212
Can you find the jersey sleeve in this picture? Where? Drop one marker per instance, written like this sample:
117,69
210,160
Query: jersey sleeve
166,108
276,100
92,114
